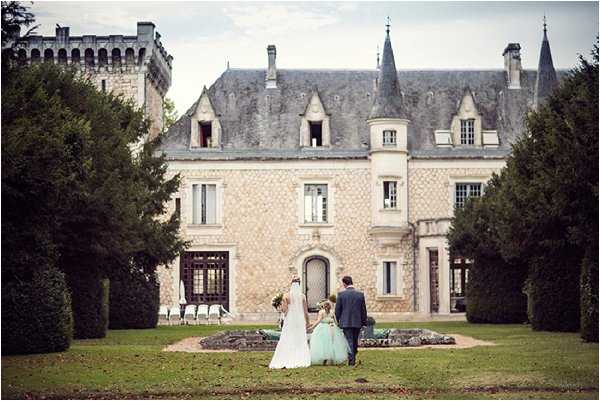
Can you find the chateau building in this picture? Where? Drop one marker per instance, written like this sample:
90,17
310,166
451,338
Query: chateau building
321,173
137,67
326,173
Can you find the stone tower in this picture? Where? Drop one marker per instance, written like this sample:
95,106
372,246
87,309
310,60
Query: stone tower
138,67
388,128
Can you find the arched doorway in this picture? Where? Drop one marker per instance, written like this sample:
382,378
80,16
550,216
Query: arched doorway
316,280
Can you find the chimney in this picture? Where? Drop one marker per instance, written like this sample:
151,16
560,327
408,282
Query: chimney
512,65
271,80
145,31
62,34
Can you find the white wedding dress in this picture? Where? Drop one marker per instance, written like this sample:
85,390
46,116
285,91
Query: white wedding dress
292,349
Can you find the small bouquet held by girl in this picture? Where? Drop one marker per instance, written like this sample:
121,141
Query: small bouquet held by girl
276,302
328,345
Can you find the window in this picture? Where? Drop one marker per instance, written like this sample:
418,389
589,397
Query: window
467,132
198,283
463,191
316,133
459,276
178,207
315,203
389,194
205,129
389,138
389,278
104,85
204,209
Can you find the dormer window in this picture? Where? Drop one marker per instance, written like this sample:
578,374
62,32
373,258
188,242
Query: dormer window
467,132
316,133
205,130
389,138
205,125
314,124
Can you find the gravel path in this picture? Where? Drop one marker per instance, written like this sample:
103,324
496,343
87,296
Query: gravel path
192,344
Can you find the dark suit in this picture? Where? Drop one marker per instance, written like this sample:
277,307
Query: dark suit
351,314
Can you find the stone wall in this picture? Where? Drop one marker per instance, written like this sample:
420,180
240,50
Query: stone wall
154,109
121,83
260,219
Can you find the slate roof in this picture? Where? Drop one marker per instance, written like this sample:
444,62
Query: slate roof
388,98
546,79
260,123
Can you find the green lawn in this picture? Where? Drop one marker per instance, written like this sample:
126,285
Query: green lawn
130,364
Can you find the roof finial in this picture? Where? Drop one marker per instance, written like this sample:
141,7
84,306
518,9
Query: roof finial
377,56
387,26
545,24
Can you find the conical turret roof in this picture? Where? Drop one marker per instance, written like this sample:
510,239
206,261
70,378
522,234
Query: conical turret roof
546,79
388,99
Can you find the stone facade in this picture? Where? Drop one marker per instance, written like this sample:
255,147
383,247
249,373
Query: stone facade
271,247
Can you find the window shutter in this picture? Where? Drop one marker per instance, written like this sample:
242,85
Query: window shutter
394,278
211,204
380,274
308,207
319,208
196,204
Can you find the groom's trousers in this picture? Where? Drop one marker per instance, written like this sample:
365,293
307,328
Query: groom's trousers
352,334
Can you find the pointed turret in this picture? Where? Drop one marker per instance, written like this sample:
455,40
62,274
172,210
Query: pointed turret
546,79
388,100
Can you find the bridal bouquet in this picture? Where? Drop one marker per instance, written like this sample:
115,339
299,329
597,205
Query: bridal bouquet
276,301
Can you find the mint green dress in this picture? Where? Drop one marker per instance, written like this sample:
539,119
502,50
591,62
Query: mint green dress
327,343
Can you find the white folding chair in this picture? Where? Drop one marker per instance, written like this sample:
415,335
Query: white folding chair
202,316
189,314
174,314
214,313
163,313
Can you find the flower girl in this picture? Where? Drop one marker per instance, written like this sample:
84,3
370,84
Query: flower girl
327,342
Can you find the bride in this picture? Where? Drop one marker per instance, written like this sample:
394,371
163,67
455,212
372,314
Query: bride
292,349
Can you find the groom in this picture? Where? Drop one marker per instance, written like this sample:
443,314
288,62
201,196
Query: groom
351,314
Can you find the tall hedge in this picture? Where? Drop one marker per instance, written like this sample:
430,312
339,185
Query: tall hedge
494,293
90,305
134,301
589,299
554,293
36,314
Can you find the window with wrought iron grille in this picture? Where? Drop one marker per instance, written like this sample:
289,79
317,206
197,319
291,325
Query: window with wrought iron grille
389,278
467,132
389,194
204,204
464,191
315,203
389,138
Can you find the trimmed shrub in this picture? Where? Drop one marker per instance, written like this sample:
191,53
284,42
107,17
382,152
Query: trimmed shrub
134,301
589,299
36,315
554,294
90,305
495,293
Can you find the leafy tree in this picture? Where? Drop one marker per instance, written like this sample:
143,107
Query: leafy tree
170,113
543,212
14,17
76,193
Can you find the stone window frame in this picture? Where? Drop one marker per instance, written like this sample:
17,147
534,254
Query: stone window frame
467,110
330,202
205,113
187,211
381,189
400,284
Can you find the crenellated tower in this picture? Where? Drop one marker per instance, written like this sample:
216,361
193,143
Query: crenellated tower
137,67
388,128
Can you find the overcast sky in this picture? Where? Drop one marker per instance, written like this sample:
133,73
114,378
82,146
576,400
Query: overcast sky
203,36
